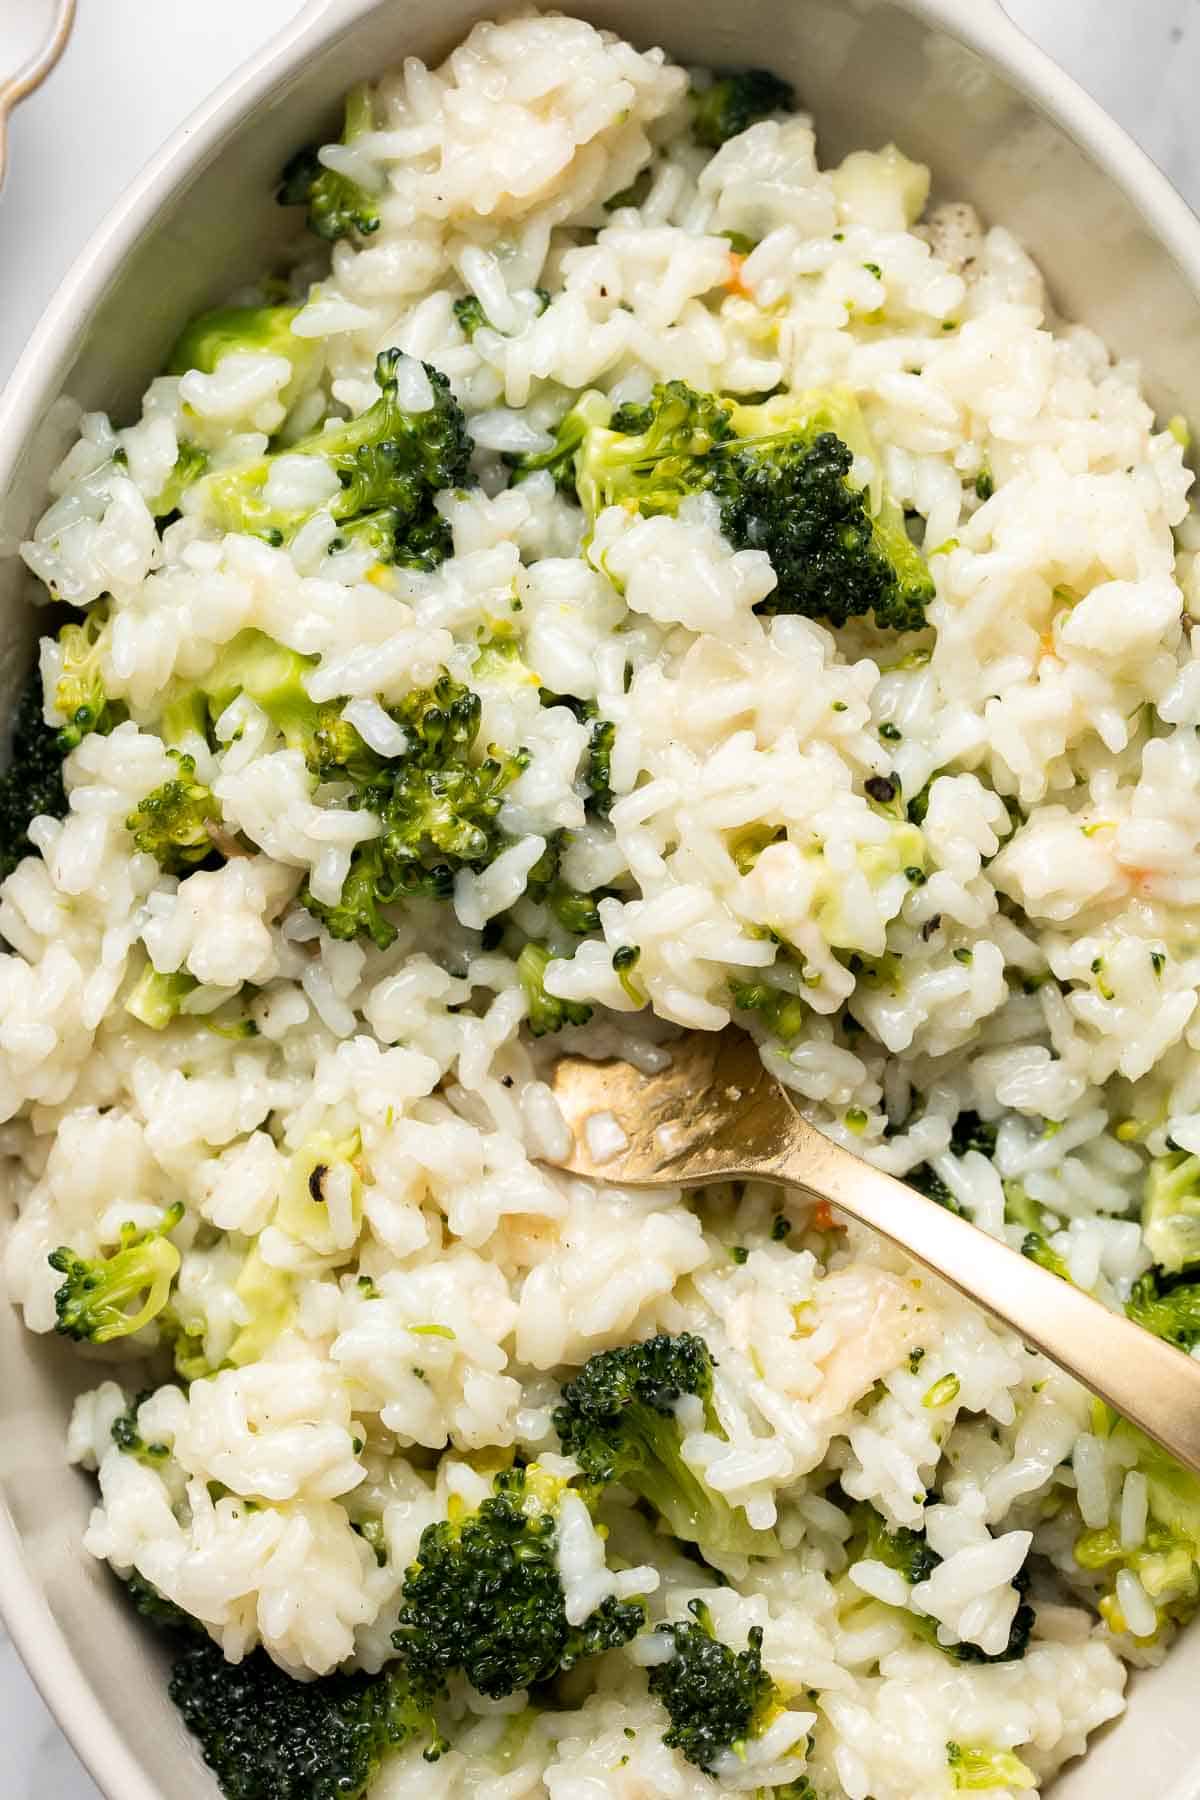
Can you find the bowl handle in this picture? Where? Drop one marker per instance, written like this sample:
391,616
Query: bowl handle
35,71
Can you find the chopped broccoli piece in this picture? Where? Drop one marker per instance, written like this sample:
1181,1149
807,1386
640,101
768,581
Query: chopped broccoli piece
715,1698
155,998
927,1181
385,458
127,1437
733,102
1037,1249
469,315
94,1300
909,1553
576,912
783,473
618,1419
484,1595
273,677
173,822
1171,1211
189,465
782,1013
591,409
391,541
32,786
161,1612
79,691
546,1012
598,771
1170,1309
970,1132
261,330
438,811
1167,1562
267,1736
337,206
974,1768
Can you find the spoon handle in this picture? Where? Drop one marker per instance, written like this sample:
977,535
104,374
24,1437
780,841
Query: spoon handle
1151,1383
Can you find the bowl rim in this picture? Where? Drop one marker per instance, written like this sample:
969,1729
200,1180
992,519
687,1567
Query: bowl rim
984,28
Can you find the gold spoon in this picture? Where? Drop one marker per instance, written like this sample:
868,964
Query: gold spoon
716,1114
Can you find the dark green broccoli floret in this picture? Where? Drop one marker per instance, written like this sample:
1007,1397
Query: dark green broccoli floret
618,1420
79,692
1171,1211
337,206
94,1300
127,1437
393,541
173,822
910,1555
783,473
546,1012
576,912
715,1698
32,786
782,1013
385,458
928,1182
469,315
598,772
734,101
592,409
1168,1308
155,1607
484,1595
267,1736
1037,1249
970,1132
438,811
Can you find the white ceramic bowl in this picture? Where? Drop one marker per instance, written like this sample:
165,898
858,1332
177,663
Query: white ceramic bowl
952,81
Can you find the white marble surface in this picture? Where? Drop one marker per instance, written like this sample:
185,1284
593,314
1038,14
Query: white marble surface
76,143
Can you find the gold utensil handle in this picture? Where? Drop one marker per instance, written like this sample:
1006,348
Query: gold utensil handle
1151,1383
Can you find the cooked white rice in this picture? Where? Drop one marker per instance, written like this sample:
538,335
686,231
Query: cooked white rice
1044,973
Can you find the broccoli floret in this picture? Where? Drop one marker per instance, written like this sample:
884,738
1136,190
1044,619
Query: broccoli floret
94,1301
653,454
591,409
783,472
970,1132
734,101
172,823
976,1768
484,1595
32,786
155,998
337,206
161,1612
618,1419
79,693
576,912
909,1553
546,1012
782,1013
438,811
127,1437
469,315
423,545
927,1181
1171,1211
385,458
1170,1309
267,1736
598,771
262,330
715,1698
273,677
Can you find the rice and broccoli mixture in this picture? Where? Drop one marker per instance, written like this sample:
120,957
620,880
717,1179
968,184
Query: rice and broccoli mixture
620,576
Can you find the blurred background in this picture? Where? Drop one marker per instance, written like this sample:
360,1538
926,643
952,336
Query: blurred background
133,71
